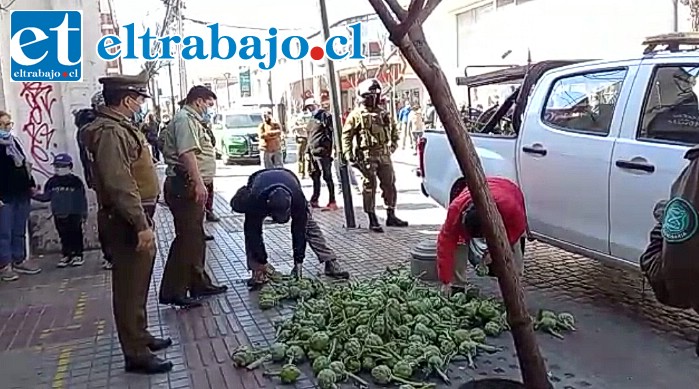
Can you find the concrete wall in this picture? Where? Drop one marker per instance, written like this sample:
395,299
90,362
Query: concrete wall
42,112
551,29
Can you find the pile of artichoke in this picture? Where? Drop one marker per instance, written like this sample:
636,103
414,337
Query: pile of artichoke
394,328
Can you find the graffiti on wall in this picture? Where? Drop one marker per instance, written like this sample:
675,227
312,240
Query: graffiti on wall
38,126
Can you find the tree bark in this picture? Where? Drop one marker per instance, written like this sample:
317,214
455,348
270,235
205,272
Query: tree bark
405,29
693,11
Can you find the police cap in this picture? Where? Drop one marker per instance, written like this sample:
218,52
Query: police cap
137,84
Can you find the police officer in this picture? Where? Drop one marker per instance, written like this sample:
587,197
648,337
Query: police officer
369,137
127,188
191,166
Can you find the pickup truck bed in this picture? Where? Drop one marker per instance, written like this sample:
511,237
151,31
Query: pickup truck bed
596,145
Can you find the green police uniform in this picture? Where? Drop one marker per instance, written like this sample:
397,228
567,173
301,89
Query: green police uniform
185,269
127,187
369,137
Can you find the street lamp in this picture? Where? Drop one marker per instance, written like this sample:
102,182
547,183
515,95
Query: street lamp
227,76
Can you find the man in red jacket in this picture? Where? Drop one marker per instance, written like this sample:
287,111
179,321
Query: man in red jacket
463,225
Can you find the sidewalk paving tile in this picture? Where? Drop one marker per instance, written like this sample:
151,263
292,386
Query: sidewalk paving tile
56,328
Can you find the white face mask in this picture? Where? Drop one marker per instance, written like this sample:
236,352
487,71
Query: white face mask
62,171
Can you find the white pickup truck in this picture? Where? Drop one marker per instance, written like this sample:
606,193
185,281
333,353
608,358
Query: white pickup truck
597,145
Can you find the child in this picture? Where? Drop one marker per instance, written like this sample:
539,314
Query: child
66,192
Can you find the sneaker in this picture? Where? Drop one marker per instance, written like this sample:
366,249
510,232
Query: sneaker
7,274
26,267
77,261
297,270
331,207
314,204
106,265
334,270
211,217
64,262
258,279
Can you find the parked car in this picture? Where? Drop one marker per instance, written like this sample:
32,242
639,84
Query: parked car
237,135
596,144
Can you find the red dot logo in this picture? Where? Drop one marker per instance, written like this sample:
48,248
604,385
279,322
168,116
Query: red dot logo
317,53
65,74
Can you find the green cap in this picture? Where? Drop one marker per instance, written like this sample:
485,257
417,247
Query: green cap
138,83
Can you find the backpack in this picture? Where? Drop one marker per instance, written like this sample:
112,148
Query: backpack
82,118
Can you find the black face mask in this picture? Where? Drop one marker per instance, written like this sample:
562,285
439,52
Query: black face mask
371,100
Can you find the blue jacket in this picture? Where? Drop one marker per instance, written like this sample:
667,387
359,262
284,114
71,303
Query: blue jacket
260,185
403,114
66,194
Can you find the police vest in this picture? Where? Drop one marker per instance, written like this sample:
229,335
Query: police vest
374,136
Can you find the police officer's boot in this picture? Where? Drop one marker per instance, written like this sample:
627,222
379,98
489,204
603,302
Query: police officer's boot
392,220
374,222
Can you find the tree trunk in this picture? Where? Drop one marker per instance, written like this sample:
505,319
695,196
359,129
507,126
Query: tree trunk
407,34
693,12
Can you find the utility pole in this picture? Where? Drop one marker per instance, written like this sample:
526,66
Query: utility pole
676,15
172,87
269,87
337,116
228,88
181,62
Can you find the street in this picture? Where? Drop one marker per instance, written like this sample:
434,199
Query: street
57,330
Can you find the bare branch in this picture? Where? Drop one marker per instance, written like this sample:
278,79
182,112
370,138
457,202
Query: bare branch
384,14
414,13
427,10
397,10
7,7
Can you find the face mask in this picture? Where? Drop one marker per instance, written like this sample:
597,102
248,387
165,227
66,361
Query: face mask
4,134
62,171
477,248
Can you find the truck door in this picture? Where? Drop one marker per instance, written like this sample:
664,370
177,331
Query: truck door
661,123
566,148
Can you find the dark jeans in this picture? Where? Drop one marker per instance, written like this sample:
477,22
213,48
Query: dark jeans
322,167
70,231
210,197
156,151
14,214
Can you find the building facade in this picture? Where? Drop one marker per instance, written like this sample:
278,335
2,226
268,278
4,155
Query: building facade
382,61
501,32
43,111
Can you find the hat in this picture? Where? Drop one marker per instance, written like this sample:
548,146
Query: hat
62,159
309,101
137,84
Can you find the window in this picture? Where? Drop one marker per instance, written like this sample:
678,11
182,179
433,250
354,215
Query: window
243,121
584,102
671,109
465,26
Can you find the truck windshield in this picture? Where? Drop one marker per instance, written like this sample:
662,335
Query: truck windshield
243,120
